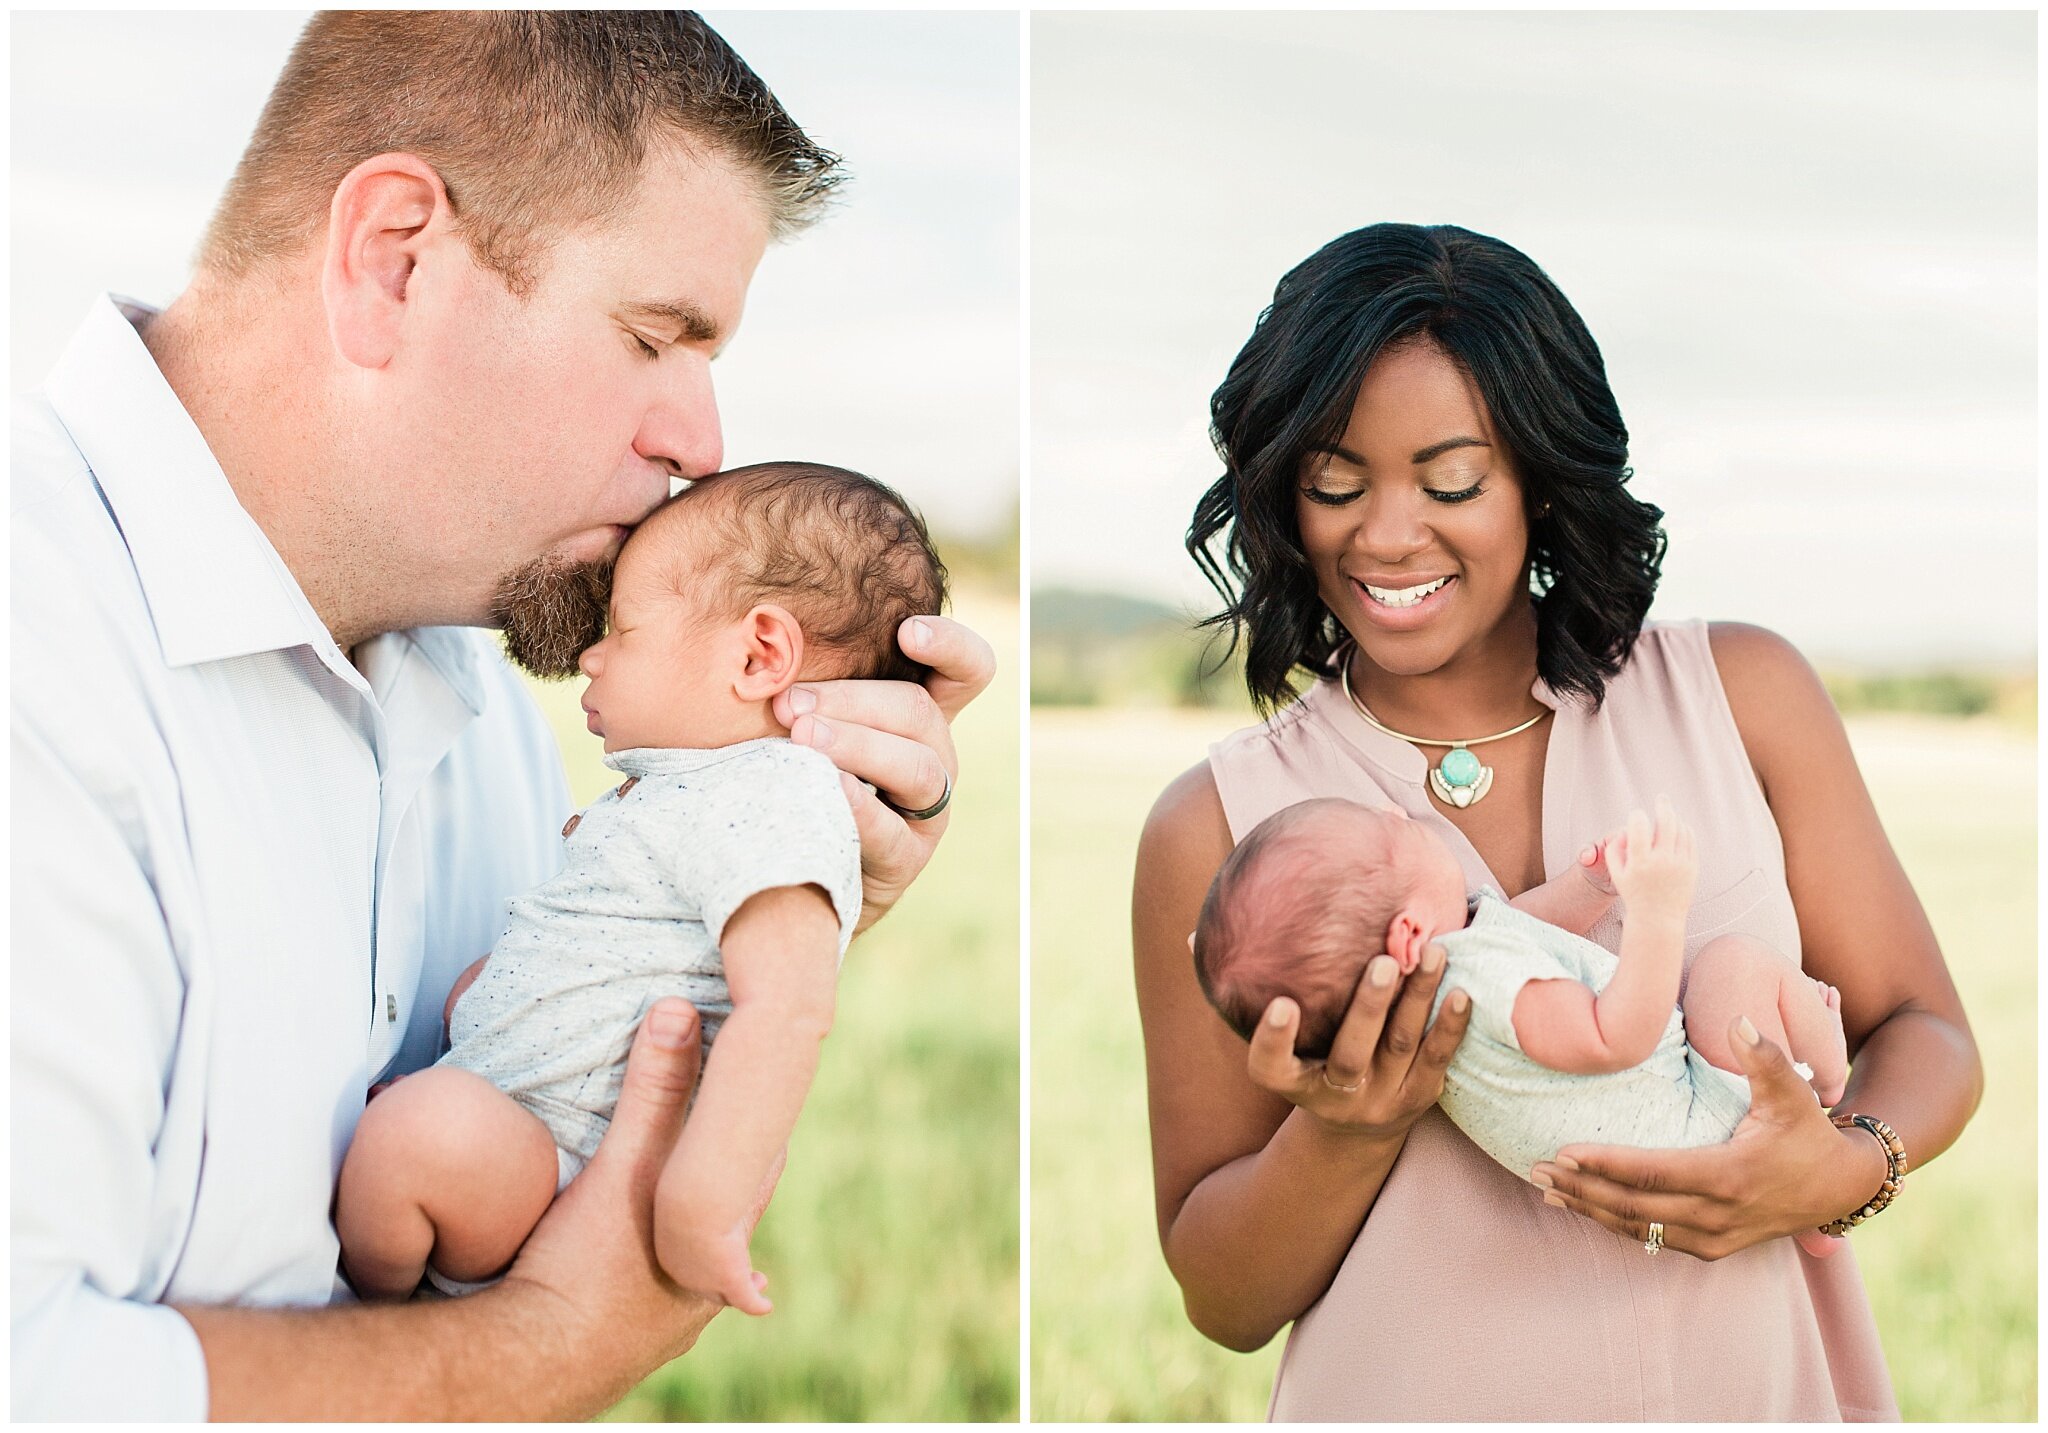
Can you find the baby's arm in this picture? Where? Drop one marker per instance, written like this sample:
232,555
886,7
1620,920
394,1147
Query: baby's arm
1561,1023
781,954
1575,900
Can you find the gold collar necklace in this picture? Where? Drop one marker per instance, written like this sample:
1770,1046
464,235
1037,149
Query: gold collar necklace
1459,779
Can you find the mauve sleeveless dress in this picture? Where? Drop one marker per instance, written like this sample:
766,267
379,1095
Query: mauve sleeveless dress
1465,1296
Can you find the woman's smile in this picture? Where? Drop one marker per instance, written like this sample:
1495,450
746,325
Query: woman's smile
1403,605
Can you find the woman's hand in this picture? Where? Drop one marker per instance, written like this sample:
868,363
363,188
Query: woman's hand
895,736
1384,1069
1786,1170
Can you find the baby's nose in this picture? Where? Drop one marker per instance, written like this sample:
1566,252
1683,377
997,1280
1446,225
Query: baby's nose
590,662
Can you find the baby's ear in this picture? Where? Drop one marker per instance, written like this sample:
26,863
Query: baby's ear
772,645
1405,939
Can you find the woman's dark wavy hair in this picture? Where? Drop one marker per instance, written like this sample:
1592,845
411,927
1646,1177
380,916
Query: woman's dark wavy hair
1593,557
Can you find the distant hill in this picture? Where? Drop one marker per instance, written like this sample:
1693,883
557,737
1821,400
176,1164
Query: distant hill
1091,648
1073,611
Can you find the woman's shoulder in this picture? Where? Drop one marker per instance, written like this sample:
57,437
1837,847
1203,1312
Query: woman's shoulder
1736,648
1287,727
1753,678
1187,820
1752,665
1746,654
1778,700
1190,819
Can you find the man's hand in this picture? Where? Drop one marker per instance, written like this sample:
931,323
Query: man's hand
895,737
584,1313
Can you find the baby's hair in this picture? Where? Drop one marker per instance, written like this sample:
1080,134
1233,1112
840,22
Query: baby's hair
1286,916
848,557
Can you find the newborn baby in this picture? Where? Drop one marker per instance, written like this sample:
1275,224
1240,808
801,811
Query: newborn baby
725,869
1567,1043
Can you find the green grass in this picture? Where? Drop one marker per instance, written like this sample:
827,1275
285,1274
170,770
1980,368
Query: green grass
1950,1267
891,1247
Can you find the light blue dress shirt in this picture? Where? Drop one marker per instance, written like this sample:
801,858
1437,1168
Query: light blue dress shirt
245,874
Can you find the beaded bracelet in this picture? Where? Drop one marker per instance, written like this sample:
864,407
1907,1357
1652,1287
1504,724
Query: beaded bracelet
1895,1170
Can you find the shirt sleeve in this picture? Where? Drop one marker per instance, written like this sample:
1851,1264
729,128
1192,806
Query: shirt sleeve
1491,964
97,1003
779,818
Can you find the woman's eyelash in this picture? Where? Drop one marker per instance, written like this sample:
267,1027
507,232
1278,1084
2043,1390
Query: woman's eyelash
1462,495
647,348
1337,500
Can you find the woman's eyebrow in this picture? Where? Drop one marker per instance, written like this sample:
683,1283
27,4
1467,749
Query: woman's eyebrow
1437,450
1434,450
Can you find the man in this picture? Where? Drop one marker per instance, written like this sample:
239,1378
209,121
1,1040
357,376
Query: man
447,342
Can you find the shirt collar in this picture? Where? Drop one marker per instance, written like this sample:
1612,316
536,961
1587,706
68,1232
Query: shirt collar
450,651
215,585
680,760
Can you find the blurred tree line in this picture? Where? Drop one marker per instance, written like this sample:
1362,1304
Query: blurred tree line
1106,649
983,557
1093,649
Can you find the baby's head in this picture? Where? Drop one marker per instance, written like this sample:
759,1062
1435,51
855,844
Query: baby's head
1312,894
748,582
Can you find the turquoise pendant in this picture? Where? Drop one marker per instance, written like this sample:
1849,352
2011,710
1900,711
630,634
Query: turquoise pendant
1460,779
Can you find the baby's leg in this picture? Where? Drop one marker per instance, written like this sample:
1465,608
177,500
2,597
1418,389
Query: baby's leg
446,1166
1739,975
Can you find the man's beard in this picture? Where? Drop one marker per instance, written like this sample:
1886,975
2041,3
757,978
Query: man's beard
550,611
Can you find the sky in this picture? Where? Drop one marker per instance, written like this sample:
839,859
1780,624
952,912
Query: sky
885,340
1804,242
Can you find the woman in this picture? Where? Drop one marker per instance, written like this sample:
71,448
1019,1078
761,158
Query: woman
1424,493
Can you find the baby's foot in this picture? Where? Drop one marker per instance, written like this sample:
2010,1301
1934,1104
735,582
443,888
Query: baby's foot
1832,1063
1817,1244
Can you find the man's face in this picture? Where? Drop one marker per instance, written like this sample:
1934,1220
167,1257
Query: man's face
544,426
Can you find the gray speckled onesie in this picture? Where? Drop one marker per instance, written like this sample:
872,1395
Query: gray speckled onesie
648,882
1519,1111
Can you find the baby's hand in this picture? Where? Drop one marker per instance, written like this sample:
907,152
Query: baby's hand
1593,866
1652,863
711,1263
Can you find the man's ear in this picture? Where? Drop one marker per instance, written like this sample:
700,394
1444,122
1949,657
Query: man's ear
382,209
773,646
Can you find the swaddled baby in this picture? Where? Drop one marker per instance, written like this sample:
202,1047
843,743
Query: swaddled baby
1567,1043
725,869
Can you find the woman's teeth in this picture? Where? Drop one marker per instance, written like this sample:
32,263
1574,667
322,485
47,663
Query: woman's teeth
1402,596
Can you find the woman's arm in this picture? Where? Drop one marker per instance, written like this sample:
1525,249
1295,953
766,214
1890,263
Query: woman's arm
1861,926
1862,931
1258,1199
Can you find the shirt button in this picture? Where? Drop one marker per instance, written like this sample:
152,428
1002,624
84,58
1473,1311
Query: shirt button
571,826
628,784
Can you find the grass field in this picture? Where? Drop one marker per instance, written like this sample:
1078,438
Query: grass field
1950,1267
891,1247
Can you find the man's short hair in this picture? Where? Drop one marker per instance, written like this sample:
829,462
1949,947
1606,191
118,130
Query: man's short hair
536,121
